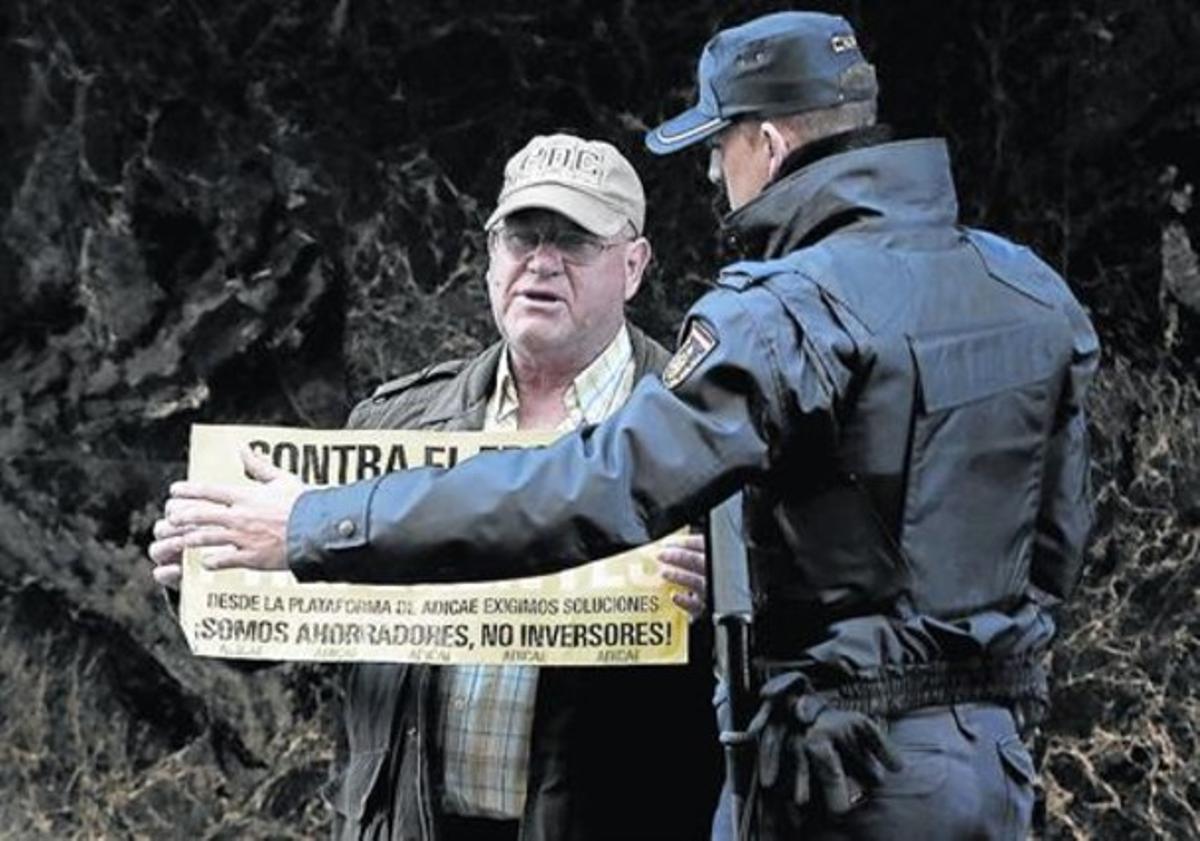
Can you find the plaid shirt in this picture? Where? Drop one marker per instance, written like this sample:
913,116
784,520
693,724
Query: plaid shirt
487,711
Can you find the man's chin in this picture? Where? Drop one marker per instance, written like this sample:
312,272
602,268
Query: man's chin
541,342
540,335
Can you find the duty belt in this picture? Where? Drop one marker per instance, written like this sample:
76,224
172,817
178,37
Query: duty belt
1009,681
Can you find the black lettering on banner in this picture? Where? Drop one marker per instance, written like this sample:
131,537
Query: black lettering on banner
611,604
596,635
260,447
397,459
441,456
496,635
222,600
287,457
224,629
343,452
330,633
368,461
432,456
450,607
314,469
517,604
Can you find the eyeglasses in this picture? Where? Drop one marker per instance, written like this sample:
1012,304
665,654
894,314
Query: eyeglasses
575,247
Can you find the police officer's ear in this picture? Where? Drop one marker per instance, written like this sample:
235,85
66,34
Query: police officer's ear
637,257
778,144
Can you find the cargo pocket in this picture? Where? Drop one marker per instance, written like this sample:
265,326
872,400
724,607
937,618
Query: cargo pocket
1019,778
984,408
924,772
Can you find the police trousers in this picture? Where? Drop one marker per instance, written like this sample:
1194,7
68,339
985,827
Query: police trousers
966,775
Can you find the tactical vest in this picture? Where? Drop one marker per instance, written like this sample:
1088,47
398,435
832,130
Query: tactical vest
947,354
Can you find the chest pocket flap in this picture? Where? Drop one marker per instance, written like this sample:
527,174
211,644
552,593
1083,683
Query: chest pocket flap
958,369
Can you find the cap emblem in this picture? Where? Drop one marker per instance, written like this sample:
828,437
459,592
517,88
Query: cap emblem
562,160
841,43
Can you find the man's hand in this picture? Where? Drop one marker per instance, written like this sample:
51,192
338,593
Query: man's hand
247,526
684,562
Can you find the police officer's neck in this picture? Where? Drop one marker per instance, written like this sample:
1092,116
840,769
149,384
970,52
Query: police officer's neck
832,144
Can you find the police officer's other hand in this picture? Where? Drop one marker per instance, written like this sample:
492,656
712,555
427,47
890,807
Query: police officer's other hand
683,560
811,748
243,525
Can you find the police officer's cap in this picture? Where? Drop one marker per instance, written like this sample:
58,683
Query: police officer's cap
783,63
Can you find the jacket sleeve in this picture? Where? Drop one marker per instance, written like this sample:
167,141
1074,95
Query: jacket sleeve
667,456
1065,516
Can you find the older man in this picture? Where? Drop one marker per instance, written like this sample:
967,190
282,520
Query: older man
482,752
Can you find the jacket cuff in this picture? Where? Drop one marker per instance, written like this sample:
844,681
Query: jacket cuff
324,526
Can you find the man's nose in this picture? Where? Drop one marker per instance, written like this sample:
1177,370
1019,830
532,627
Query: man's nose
546,259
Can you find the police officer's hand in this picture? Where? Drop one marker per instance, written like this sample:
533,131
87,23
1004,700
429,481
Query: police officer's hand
166,551
807,747
684,562
241,525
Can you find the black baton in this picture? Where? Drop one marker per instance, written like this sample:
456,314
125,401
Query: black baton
729,588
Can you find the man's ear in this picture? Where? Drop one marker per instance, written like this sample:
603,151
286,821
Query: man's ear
778,146
637,258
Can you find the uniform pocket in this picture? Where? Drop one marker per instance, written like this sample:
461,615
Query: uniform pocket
1016,760
955,370
985,403
1020,776
925,771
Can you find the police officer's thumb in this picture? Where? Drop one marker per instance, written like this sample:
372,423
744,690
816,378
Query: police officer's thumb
260,469
771,725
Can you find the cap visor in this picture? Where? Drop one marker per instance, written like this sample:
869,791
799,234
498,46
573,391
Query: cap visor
582,209
688,128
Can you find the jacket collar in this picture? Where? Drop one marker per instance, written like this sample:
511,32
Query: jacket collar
903,183
463,405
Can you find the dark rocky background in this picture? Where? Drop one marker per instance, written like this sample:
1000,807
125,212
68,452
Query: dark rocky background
254,211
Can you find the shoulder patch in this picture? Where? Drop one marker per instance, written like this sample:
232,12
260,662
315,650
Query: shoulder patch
699,342
430,373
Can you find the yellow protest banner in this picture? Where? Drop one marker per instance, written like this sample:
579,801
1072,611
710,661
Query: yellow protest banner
614,611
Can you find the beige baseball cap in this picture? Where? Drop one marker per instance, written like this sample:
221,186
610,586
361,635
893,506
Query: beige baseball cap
588,181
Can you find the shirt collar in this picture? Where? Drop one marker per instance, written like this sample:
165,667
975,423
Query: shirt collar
592,396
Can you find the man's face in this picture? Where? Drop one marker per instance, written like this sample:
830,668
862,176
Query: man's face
739,160
556,288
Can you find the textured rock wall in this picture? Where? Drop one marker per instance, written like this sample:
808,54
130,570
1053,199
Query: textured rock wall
256,210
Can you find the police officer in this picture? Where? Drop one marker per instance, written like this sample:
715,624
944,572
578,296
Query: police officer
902,400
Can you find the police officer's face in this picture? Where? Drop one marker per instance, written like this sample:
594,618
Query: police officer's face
555,288
740,161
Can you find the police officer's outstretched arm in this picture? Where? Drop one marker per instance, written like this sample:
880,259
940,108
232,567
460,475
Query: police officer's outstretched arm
668,455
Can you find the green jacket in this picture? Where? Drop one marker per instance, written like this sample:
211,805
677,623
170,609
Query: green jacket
616,752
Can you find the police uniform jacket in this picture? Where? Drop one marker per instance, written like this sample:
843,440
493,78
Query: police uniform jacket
608,743
902,399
